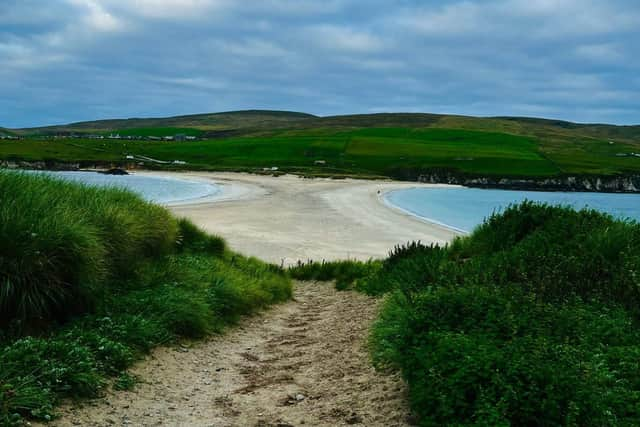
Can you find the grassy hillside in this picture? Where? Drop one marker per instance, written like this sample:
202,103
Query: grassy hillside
209,121
531,320
91,279
396,145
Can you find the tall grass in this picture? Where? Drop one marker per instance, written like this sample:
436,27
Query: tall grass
60,242
531,320
345,273
90,279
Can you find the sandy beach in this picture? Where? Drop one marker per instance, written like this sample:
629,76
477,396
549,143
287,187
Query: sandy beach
285,219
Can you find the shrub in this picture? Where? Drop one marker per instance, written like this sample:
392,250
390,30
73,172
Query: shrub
531,320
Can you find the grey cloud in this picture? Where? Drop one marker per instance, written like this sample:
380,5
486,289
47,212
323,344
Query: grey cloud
68,60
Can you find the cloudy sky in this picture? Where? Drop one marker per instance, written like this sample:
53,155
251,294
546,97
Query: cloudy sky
72,60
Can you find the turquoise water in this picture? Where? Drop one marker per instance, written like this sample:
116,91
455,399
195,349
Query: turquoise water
465,208
155,189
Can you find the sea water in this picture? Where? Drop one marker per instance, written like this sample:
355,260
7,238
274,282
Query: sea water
465,208
153,188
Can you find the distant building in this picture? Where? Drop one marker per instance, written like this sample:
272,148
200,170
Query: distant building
180,137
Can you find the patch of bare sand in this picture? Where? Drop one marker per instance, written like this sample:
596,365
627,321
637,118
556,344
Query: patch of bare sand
303,363
286,219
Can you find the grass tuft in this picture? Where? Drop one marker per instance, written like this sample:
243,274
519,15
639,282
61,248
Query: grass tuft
345,273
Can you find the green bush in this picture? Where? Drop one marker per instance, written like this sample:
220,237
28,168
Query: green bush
531,320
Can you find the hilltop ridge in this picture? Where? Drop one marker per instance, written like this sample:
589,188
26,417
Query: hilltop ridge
249,121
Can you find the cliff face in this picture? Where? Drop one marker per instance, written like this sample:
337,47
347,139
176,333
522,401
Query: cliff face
611,184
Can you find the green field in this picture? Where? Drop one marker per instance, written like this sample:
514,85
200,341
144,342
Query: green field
391,145
156,131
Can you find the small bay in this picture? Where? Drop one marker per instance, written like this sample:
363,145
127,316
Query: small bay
465,208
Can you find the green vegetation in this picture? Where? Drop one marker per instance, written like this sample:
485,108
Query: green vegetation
343,272
91,279
391,145
157,131
531,320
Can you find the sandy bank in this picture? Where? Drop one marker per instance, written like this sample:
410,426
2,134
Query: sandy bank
286,219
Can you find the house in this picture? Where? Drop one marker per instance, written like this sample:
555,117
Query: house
180,137
168,138
320,162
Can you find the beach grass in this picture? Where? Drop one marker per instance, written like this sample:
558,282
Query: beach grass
344,272
91,279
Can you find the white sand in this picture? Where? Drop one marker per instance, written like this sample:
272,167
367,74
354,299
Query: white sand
286,219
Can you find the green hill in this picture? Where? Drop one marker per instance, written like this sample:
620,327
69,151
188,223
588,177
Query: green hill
209,121
400,145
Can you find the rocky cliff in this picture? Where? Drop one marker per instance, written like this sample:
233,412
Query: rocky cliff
612,184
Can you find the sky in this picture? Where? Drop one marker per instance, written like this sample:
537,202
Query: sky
71,60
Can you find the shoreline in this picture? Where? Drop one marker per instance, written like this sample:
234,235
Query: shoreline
383,199
289,219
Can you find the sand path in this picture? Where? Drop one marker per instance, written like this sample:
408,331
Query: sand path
286,219
304,362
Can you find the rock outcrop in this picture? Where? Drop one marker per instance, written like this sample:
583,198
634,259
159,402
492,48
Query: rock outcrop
610,184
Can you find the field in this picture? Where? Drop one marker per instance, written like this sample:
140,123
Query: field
390,145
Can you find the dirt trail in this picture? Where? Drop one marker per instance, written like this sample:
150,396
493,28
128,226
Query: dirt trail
304,362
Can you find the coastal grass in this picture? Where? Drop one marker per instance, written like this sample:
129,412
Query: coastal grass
60,242
467,147
345,273
92,279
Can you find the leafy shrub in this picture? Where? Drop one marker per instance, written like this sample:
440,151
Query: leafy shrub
125,381
531,320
